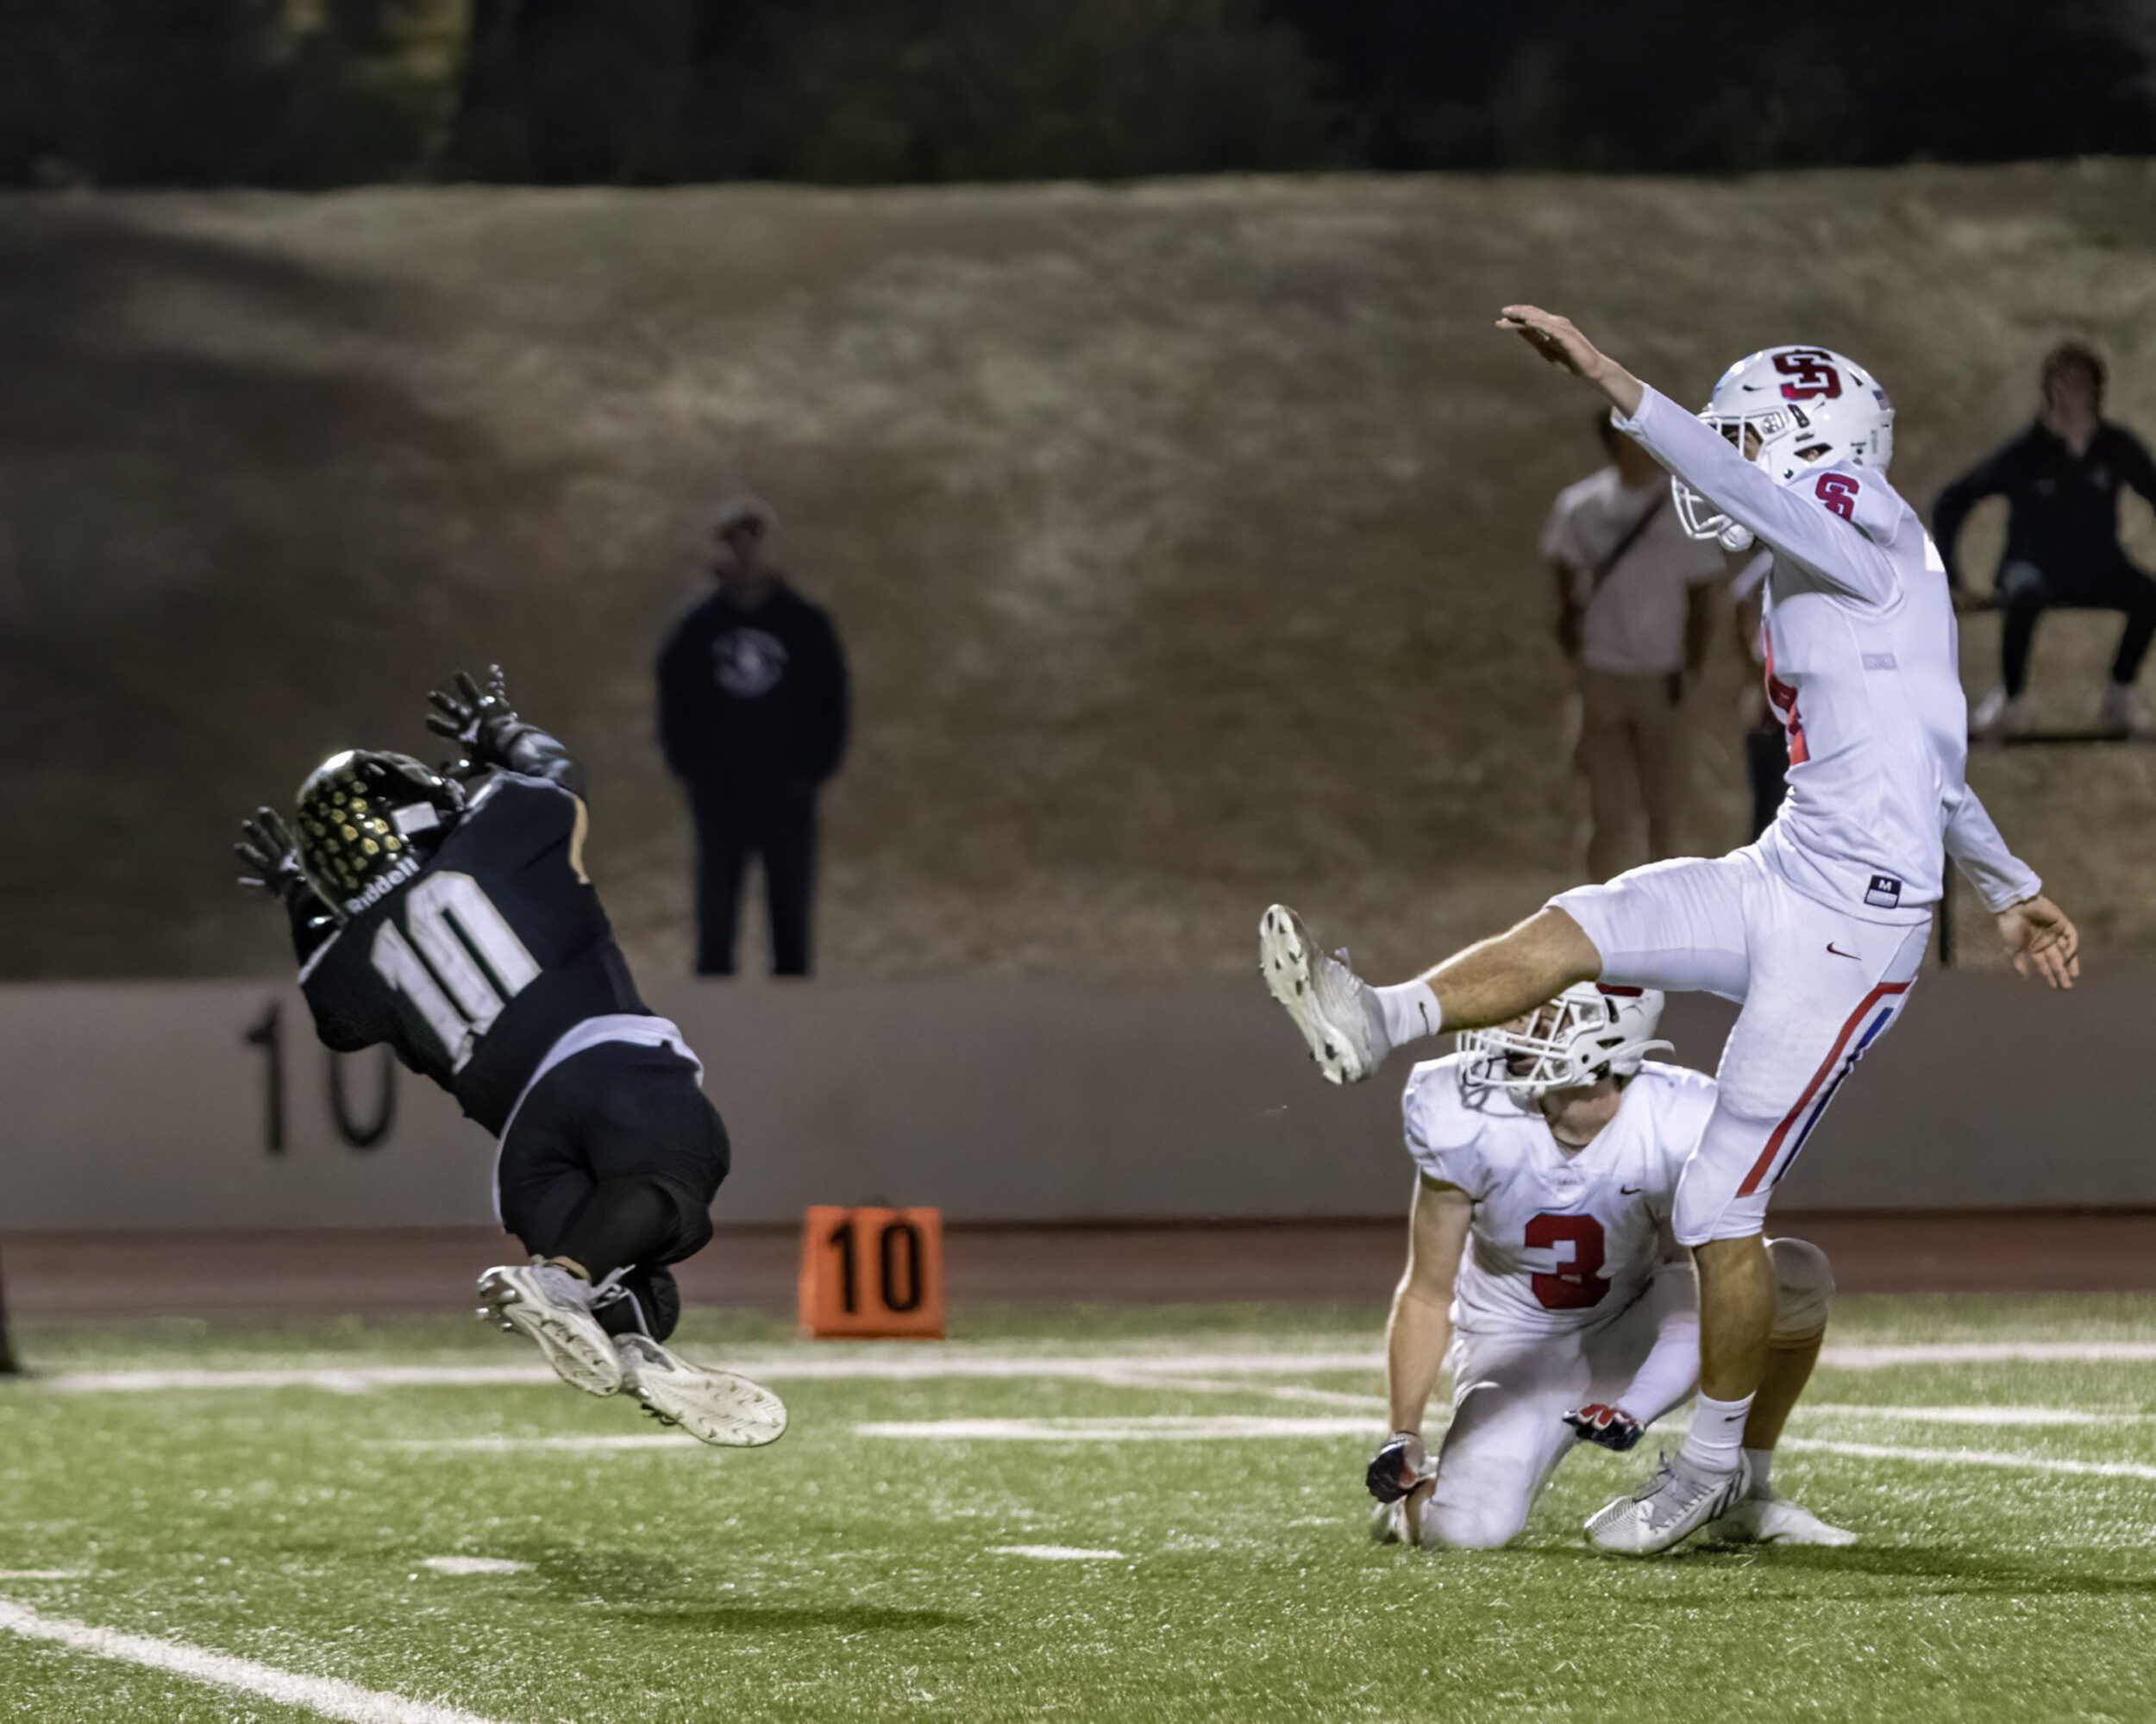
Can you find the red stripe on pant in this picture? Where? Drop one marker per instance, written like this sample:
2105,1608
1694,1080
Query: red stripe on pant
1774,1143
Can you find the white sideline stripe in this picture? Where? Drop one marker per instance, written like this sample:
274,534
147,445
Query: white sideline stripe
1164,1429
1972,1458
1056,1553
42,1574
325,1695
926,1364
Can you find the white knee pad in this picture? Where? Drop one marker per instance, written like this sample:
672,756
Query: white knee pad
1479,1526
1803,1288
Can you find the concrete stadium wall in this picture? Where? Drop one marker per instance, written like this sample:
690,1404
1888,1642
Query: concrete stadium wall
148,1106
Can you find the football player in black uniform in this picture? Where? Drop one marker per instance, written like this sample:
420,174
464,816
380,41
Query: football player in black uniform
449,914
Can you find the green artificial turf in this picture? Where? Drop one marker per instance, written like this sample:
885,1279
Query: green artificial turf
843,1576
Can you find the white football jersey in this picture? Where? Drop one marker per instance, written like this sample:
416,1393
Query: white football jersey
1560,1240
1863,665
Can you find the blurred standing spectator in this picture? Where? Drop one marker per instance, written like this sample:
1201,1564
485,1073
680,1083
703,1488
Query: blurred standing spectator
1766,742
753,718
1634,619
2061,479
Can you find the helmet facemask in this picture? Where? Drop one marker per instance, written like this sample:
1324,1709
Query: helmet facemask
1580,1038
367,821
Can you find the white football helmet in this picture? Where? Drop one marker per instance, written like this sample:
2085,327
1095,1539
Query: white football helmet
1588,1032
1806,405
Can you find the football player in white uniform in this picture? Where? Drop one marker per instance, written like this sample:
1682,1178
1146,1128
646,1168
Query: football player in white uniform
1540,1263
1818,928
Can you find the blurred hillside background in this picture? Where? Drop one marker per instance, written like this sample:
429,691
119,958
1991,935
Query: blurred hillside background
1183,533
1181,524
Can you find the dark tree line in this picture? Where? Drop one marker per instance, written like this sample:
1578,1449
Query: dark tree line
865,92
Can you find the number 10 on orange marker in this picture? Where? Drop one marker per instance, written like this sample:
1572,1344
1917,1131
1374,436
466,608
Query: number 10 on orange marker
872,1273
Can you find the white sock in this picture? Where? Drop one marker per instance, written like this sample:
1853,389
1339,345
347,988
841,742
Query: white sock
1411,1011
1717,1436
1762,1466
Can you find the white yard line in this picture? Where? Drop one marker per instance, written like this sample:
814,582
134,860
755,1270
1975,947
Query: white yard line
1056,1553
915,1364
928,1362
1971,1457
565,1444
1139,1429
464,1566
1970,1415
324,1694
1880,1355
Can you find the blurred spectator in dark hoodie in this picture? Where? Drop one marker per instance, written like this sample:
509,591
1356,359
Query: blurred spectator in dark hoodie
753,718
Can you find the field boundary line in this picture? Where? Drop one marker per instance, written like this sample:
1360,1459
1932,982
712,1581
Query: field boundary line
328,1695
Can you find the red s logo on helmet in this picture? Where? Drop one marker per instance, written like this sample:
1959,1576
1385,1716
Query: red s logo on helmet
1813,376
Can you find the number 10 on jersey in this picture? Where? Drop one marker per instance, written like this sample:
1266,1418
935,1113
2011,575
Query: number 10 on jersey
872,1273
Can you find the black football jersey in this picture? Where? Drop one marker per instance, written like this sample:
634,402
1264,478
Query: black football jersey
479,964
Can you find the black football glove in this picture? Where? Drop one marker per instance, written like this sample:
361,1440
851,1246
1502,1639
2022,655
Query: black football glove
1399,1466
1611,1427
270,857
480,721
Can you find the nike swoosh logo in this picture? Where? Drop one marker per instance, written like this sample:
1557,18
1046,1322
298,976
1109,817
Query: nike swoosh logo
1854,958
1630,1190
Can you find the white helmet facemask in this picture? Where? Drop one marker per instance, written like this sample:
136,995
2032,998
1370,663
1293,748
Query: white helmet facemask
1588,1032
1805,406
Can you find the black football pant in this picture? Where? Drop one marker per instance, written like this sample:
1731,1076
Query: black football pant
612,1162
731,831
2028,591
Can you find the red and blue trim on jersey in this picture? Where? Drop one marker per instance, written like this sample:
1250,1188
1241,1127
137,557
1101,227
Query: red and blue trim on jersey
1886,1000
1782,698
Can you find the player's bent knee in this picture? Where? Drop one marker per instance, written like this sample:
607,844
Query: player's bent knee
1803,1289
1481,1525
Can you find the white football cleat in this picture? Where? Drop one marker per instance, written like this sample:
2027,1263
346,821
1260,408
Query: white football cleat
1671,1505
554,1309
2118,714
1772,1520
1335,1010
1999,715
720,1407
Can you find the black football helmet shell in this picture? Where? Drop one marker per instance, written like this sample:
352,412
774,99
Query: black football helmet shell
367,820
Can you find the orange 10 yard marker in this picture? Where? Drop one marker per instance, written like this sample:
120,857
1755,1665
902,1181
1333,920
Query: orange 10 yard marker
868,1274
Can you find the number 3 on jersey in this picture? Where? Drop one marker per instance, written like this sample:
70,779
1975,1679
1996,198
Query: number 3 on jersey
1577,1284
467,965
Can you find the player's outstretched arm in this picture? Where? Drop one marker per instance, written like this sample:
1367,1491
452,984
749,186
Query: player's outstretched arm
493,736
1838,552
1558,341
1418,1331
2042,941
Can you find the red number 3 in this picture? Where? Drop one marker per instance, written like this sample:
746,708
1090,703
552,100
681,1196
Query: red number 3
1812,376
1839,492
1579,1283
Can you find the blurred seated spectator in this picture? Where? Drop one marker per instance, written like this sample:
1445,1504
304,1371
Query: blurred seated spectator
753,718
1634,619
2061,479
